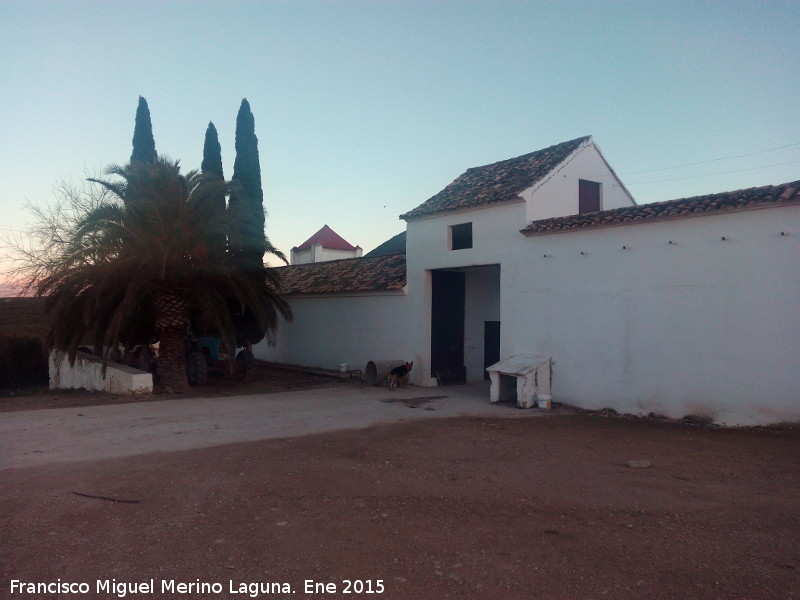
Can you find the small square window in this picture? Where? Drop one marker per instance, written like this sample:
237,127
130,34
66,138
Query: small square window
461,236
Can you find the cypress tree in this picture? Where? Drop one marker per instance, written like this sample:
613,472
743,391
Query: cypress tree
211,169
212,153
247,197
247,241
144,146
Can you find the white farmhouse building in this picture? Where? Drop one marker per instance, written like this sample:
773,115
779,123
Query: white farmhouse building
324,245
680,307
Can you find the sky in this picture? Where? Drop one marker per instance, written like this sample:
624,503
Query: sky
365,109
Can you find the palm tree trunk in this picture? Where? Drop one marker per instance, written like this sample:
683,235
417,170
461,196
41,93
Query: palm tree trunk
172,359
172,320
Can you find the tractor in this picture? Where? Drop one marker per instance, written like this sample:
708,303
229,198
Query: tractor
207,355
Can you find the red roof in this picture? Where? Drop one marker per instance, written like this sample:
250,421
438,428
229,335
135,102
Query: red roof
328,238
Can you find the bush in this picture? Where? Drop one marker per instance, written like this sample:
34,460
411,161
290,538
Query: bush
23,361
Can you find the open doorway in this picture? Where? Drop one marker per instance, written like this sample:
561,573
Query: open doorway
491,345
447,327
465,323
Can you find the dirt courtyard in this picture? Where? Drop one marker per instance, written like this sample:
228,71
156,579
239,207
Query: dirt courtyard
454,508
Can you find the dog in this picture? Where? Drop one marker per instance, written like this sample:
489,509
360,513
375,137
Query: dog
399,375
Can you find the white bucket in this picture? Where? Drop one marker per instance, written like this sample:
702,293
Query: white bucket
342,367
544,401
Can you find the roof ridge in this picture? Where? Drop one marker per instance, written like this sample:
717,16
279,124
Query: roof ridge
497,182
578,140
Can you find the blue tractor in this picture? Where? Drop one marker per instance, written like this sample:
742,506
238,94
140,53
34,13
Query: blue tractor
207,355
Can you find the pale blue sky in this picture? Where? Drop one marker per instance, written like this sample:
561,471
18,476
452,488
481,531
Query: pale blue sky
364,110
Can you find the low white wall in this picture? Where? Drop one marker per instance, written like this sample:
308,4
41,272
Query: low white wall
87,373
329,330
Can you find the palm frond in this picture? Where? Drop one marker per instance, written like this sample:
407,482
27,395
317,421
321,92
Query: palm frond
159,232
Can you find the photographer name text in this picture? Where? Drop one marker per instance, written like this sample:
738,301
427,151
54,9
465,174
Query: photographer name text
251,589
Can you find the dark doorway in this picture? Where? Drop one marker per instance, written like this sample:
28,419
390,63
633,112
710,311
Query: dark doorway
491,345
447,327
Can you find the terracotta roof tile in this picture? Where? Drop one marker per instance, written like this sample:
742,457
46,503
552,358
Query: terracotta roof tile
347,276
328,238
787,193
498,182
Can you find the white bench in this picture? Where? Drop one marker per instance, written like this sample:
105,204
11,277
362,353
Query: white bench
532,373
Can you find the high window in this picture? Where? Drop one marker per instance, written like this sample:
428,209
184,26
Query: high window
588,196
460,236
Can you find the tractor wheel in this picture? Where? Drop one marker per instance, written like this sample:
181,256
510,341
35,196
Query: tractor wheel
197,368
245,366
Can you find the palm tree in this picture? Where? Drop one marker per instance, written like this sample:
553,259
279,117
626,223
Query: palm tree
146,262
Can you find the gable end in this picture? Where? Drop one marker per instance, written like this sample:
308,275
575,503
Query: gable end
498,182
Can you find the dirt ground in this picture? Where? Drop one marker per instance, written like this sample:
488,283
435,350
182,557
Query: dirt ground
468,508
268,379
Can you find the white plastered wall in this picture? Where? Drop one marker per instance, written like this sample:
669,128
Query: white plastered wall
87,373
327,331
318,253
700,326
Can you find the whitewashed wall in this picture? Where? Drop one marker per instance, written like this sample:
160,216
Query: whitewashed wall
317,253
87,373
700,326
329,330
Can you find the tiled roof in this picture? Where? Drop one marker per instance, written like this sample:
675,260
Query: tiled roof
346,276
328,238
787,193
498,182
395,245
